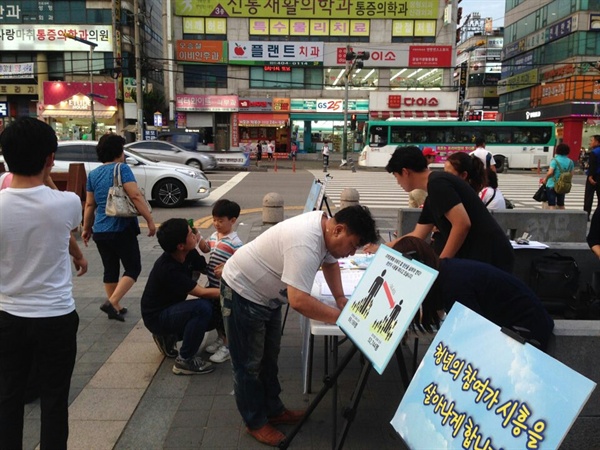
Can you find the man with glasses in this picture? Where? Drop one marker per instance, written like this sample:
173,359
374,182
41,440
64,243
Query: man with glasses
276,268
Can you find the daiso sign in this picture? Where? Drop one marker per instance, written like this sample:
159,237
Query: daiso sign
412,100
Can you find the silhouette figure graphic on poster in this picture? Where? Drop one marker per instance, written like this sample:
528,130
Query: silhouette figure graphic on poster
385,327
363,307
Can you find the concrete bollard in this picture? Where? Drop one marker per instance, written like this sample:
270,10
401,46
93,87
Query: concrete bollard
349,197
272,208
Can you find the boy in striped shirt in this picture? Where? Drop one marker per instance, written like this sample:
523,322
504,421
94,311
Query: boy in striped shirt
222,244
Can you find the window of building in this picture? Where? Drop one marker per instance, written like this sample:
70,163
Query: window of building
296,78
204,76
361,78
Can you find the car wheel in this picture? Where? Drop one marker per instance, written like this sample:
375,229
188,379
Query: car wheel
169,193
195,164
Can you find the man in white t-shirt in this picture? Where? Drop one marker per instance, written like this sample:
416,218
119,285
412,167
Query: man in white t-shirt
38,321
486,157
325,153
276,268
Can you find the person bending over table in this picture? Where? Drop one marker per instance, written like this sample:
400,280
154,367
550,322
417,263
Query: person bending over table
469,230
494,294
278,267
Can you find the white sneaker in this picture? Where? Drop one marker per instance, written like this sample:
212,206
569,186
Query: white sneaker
221,355
215,346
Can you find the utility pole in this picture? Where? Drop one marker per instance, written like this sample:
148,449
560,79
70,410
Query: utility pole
138,71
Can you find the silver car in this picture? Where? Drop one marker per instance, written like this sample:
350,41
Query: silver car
166,151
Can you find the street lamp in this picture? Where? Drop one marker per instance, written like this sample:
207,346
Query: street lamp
91,95
353,60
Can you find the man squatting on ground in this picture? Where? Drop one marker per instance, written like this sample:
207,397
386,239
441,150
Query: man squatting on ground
278,267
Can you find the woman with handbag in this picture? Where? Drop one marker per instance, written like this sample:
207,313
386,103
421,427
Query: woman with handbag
115,237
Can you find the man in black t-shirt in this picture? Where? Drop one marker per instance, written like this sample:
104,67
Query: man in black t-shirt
455,209
165,310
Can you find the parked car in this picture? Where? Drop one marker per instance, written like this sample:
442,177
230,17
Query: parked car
167,151
191,141
168,184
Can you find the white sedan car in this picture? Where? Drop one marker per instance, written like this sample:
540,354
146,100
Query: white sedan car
168,184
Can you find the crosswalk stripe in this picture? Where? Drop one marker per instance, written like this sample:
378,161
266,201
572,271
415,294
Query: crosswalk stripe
380,190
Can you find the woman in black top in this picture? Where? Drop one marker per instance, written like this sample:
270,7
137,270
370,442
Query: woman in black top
455,209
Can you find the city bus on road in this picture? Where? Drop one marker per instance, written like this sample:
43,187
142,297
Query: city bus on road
515,145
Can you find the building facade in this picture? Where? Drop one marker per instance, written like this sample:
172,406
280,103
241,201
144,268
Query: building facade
58,55
550,66
247,73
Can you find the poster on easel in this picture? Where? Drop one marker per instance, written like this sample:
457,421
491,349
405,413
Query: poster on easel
384,303
314,200
478,387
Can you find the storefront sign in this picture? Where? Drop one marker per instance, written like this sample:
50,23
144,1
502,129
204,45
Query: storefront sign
518,65
18,89
410,28
262,120
558,72
13,71
309,27
189,102
517,82
34,38
24,11
312,105
578,88
562,28
272,52
256,104
201,51
281,104
594,22
72,99
3,109
407,9
235,133
204,25
412,100
430,56
385,55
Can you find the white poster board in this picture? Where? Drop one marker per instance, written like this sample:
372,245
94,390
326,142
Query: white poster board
479,388
384,304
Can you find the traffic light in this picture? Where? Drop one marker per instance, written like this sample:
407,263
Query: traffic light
353,122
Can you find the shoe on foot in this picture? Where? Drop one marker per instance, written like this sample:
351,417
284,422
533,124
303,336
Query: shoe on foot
287,417
165,345
192,366
112,313
215,346
267,435
220,355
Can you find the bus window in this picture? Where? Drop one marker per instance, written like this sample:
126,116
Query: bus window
378,137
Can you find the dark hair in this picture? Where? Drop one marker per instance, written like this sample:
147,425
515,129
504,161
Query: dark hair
472,165
418,249
479,141
408,157
359,222
492,178
596,137
562,149
26,144
226,208
171,233
110,147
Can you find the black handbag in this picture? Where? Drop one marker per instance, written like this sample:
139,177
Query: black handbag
555,280
540,195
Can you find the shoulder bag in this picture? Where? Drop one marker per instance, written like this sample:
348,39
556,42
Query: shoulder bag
118,203
562,184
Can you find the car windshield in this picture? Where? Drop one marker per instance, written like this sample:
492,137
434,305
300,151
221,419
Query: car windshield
139,156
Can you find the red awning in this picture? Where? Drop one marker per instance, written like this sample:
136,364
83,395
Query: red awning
262,120
414,114
60,91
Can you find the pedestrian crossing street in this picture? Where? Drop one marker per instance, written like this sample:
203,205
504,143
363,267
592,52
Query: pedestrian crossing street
380,190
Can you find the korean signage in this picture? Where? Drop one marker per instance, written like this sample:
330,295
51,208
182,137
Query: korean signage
22,70
477,387
204,25
385,9
56,92
517,82
27,11
412,100
562,28
430,56
410,28
384,304
197,51
35,38
558,72
189,102
574,88
331,105
256,104
594,22
518,65
309,27
274,53
18,89
3,109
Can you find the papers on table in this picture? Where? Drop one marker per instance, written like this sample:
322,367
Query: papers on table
350,279
534,245
360,261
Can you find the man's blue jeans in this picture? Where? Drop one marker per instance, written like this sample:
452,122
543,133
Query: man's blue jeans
254,337
188,320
